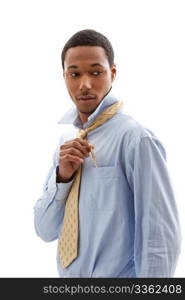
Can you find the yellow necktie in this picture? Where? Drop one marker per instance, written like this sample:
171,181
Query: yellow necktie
68,240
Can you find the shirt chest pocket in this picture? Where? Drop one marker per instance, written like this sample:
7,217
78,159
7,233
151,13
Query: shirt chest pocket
104,188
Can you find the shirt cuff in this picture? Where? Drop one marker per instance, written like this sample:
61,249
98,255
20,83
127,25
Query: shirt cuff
60,190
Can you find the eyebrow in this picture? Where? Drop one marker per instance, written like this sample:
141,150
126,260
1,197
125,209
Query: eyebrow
72,67
96,65
92,65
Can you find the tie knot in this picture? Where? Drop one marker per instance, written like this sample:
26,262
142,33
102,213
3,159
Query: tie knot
101,119
82,133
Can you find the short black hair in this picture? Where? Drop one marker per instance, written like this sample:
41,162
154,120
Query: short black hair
89,37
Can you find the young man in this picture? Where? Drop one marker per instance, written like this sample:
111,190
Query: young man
108,197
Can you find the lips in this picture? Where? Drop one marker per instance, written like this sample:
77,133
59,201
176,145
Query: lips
86,98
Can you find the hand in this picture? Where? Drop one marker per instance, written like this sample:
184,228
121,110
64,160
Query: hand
71,156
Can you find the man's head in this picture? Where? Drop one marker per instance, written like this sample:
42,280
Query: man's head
89,69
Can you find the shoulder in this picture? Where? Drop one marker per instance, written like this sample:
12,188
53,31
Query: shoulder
133,133
131,128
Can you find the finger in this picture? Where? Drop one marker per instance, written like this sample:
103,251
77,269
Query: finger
74,151
72,158
88,146
83,142
76,145
80,140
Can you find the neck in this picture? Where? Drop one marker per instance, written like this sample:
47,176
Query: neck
84,116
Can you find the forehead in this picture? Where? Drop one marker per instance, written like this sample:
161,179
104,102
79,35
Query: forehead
85,54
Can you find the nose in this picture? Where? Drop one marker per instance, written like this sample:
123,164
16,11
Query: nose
85,83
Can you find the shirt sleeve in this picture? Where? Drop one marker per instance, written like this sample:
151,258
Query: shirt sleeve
157,239
49,208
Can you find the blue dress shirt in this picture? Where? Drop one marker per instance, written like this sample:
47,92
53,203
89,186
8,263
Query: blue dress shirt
128,219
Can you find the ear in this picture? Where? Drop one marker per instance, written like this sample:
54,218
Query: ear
113,72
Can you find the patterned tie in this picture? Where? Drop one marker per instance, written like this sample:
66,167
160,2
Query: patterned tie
68,241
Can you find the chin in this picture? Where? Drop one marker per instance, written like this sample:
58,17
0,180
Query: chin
87,111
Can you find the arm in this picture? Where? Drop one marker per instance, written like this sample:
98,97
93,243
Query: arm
157,231
49,208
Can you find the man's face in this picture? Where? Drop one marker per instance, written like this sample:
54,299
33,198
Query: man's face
88,77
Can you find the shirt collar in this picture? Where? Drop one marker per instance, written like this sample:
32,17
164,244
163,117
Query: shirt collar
72,117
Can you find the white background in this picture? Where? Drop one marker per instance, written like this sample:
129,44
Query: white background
148,38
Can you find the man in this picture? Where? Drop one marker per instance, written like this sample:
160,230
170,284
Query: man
112,174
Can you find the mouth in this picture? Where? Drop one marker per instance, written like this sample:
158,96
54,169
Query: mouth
86,99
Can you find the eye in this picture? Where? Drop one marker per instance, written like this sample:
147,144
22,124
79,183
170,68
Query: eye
74,74
96,73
